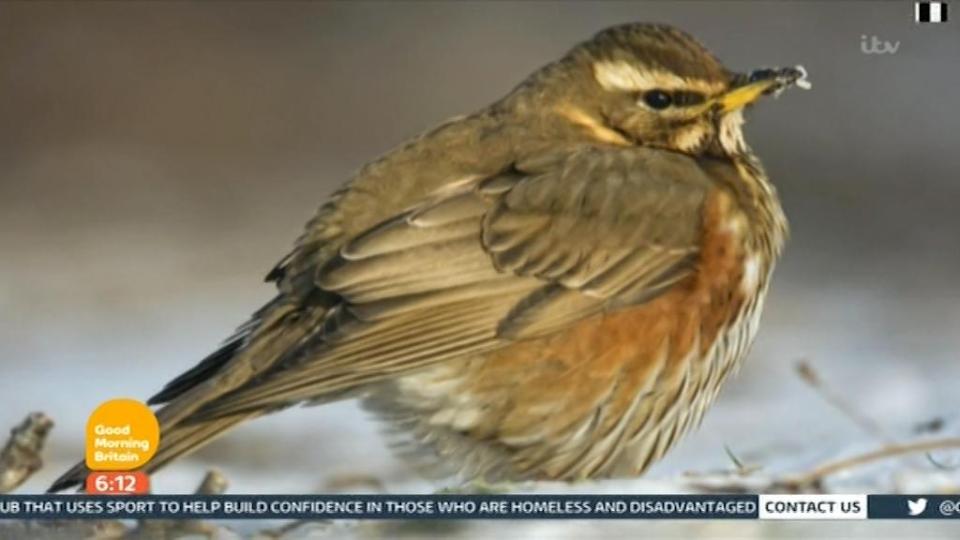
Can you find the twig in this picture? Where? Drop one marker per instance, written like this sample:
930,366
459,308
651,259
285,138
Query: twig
942,466
742,469
20,457
214,483
814,477
810,376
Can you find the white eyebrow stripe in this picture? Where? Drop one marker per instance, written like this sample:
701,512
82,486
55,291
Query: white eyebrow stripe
621,76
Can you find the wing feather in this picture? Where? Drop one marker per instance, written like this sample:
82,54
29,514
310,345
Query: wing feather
526,253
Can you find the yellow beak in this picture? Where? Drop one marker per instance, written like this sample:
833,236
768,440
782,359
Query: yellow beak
739,98
746,94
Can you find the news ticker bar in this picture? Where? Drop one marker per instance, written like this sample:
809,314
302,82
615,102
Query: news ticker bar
804,507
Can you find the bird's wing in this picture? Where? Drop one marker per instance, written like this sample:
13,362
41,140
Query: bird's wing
562,237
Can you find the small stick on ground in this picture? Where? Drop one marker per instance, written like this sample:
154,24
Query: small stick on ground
814,478
742,469
812,378
20,457
214,483
19,460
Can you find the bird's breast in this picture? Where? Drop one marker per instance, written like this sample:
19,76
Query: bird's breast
609,394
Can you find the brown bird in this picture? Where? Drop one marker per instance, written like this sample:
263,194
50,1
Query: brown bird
554,287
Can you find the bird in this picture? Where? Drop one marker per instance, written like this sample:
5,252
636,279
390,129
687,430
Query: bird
554,287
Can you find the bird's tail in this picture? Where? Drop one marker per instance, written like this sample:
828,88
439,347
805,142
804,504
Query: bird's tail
276,331
179,441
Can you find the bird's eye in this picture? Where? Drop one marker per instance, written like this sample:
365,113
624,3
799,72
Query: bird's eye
657,99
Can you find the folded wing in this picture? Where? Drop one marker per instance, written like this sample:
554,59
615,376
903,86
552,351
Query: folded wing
557,239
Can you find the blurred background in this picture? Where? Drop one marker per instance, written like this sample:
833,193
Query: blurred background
156,159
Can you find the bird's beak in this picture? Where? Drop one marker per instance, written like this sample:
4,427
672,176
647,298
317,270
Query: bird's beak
748,88
742,96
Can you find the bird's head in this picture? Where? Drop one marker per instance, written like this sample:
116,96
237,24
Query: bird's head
654,85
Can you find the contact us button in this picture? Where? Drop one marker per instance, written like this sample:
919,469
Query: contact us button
813,506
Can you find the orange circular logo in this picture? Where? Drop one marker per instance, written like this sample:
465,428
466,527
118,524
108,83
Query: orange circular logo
122,435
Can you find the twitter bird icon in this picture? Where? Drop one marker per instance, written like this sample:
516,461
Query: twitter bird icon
916,507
